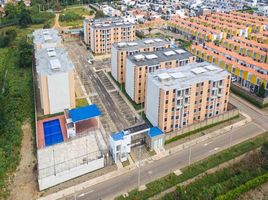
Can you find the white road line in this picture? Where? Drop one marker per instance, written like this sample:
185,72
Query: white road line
83,194
207,143
215,149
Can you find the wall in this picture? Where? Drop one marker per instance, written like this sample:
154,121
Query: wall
213,120
114,63
53,180
130,79
58,91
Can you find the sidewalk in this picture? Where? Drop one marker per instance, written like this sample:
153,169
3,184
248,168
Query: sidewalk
159,155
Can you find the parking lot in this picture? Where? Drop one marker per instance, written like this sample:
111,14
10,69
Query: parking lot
126,111
105,81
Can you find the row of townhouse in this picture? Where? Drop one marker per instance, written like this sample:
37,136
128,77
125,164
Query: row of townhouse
244,50
100,34
248,73
194,31
261,37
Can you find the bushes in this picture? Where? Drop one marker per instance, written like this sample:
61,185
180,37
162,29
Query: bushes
7,37
254,183
193,170
69,17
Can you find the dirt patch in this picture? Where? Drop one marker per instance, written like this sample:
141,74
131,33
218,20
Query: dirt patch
260,193
24,186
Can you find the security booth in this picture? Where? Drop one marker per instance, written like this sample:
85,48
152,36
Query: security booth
155,138
121,142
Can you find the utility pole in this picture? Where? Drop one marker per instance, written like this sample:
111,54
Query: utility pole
139,171
190,154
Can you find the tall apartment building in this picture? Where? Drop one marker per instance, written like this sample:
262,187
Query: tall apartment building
137,67
100,34
121,50
55,78
182,96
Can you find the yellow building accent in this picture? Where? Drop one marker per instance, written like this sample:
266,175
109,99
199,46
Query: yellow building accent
253,79
237,71
230,68
245,75
222,64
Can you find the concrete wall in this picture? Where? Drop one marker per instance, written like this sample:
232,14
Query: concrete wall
59,92
53,180
114,63
130,79
213,120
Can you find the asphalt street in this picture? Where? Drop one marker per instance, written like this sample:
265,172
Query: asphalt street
105,97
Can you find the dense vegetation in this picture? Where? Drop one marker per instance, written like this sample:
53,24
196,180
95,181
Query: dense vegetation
197,168
213,185
19,14
16,99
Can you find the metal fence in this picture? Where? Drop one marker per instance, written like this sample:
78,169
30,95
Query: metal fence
222,117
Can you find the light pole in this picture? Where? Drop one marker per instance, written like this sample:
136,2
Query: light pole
190,154
139,171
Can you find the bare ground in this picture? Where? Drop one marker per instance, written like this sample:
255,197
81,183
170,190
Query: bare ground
24,185
260,193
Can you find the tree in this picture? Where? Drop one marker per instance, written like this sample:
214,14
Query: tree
24,53
25,16
261,92
11,11
99,14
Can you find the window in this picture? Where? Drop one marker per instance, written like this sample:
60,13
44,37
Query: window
186,100
166,110
187,91
165,119
167,92
196,94
179,93
166,101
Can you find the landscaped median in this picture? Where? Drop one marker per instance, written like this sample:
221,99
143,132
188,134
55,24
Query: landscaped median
199,167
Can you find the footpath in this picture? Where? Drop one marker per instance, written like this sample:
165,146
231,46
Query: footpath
160,154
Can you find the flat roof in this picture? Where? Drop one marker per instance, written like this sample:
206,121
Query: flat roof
138,44
84,113
163,55
183,77
118,136
43,36
108,22
155,131
52,60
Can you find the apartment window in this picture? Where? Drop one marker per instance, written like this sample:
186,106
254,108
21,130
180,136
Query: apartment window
186,100
184,123
202,84
166,101
201,92
197,85
139,91
194,110
177,117
187,91
184,114
165,119
218,104
172,117
219,91
167,92
179,93
195,102
200,101
196,94
166,110
139,76
217,112
220,83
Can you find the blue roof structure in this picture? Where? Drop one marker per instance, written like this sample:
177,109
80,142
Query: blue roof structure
155,131
118,136
84,113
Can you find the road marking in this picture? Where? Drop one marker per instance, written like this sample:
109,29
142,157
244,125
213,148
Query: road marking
207,143
215,149
150,172
83,194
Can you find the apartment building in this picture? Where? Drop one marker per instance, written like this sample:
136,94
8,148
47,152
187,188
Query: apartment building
100,34
55,79
185,95
139,65
46,38
121,50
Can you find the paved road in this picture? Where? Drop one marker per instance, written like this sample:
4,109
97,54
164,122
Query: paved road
149,172
105,97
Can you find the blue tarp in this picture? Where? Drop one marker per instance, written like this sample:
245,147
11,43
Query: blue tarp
84,113
155,131
52,132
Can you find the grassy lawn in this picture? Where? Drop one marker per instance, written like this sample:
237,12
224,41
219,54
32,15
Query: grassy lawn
81,102
197,168
75,16
178,137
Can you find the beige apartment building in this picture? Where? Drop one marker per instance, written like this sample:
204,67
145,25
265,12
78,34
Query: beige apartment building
55,78
139,65
185,95
100,34
121,50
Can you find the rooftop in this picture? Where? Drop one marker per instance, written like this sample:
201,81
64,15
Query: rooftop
138,44
154,58
52,60
108,22
118,136
42,36
84,113
154,131
184,77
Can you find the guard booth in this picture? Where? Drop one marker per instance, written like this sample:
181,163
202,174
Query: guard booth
121,142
